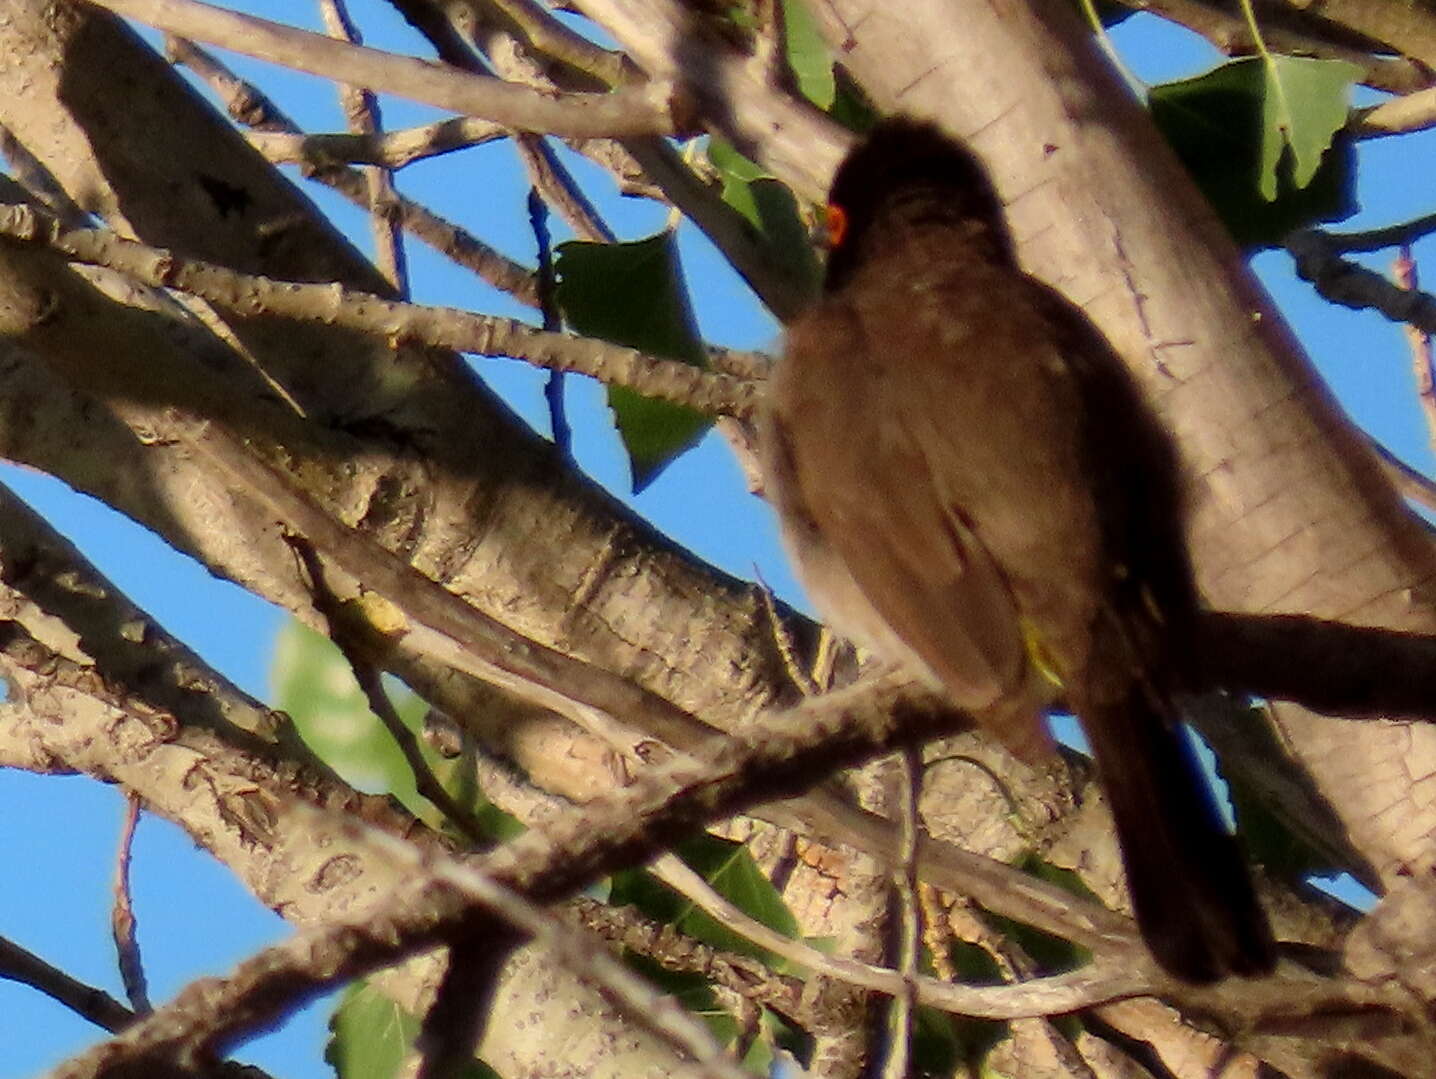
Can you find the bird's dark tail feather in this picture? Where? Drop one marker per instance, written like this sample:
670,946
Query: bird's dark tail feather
1192,892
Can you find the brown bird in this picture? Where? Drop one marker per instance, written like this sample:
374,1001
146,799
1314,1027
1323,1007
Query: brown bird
972,487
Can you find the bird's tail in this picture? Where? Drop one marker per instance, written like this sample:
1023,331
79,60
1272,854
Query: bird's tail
1190,887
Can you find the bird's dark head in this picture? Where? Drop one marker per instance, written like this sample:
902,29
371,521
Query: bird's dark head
908,173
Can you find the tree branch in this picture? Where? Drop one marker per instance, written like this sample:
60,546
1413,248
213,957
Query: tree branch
651,109
1357,672
247,105
1103,981
1400,116
465,331
670,41
391,149
778,756
1229,32
19,965
774,759
1317,259
471,641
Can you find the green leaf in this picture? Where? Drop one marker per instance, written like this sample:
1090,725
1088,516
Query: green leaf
1052,953
730,869
733,165
774,1034
313,683
759,1057
1260,140
1267,839
692,991
808,56
942,1044
633,294
778,1033
370,1036
653,432
770,208
1306,104
851,107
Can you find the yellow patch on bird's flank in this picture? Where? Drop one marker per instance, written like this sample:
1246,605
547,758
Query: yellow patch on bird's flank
377,614
1038,655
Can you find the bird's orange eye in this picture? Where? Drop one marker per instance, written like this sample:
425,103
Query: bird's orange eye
835,224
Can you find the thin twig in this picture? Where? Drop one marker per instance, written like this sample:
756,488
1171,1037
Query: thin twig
546,172
1405,272
1063,992
555,40
122,916
1408,232
390,149
1015,965
361,110
1399,116
446,27
796,670
1408,482
640,1001
772,278
935,935
900,1016
551,178
438,904
784,292
673,950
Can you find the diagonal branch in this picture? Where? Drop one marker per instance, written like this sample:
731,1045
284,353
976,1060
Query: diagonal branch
671,40
17,964
365,117
469,639
650,109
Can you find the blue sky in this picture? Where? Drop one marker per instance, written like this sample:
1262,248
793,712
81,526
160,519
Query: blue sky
193,918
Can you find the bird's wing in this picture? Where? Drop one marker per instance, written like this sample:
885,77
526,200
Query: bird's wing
920,589
993,403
